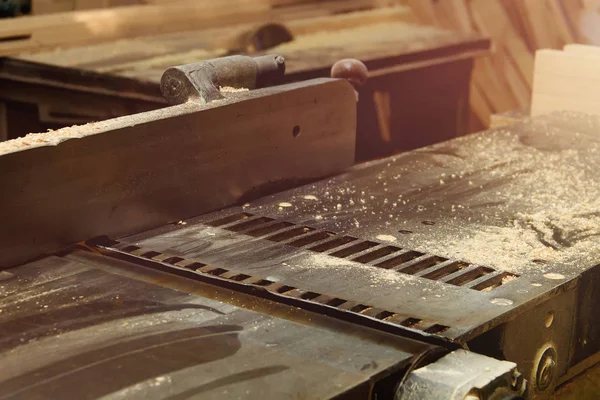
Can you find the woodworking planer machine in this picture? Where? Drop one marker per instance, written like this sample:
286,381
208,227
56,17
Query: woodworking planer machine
227,247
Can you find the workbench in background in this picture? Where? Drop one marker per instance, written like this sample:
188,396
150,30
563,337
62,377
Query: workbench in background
421,73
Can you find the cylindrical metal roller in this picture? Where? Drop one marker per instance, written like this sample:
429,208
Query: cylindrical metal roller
202,81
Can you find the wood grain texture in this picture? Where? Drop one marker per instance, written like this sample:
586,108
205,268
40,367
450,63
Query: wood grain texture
566,80
584,49
381,35
95,26
137,172
491,19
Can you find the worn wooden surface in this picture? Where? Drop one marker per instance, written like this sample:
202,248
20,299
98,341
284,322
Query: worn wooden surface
95,26
169,164
383,35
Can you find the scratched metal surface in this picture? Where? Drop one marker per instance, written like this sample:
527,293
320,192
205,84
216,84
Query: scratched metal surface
519,204
85,326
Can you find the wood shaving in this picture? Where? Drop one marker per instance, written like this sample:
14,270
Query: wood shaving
386,238
229,89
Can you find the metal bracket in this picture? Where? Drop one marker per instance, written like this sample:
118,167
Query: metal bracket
463,375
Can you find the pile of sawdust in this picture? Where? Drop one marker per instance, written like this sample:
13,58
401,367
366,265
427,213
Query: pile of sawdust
559,224
229,89
50,138
375,274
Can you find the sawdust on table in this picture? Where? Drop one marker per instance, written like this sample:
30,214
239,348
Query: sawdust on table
561,224
375,274
49,138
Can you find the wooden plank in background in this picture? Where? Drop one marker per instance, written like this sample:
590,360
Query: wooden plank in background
141,171
572,12
349,20
51,6
577,48
322,8
491,19
511,59
562,24
566,81
543,31
95,26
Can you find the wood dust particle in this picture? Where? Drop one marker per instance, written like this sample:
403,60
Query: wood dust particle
229,89
386,238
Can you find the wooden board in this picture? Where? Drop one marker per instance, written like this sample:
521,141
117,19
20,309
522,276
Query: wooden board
95,26
137,172
583,49
491,19
566,80
387,37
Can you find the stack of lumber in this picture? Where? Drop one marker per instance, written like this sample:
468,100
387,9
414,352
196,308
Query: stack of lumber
503,81
567,80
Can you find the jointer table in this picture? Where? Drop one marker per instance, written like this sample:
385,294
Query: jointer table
466,268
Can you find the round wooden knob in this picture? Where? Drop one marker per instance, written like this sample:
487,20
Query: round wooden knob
353,70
